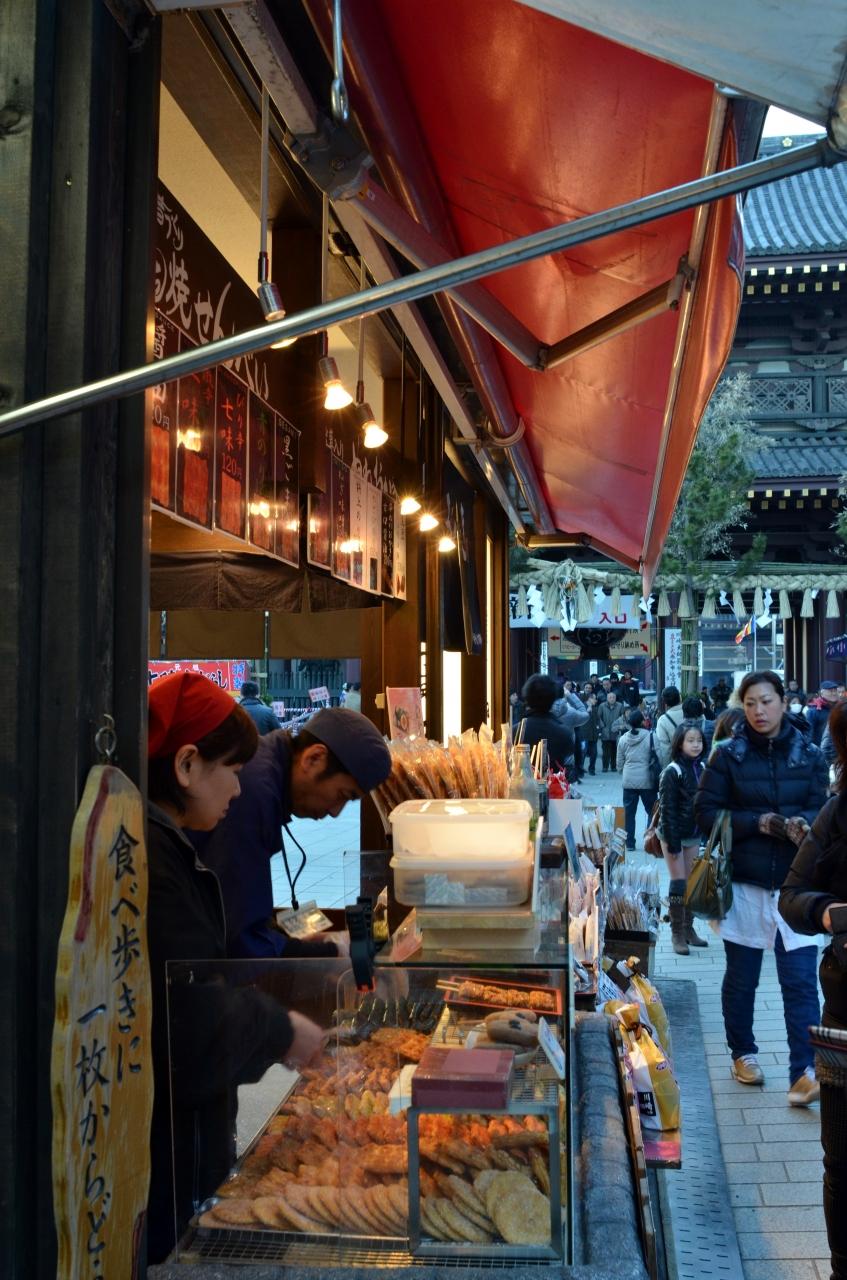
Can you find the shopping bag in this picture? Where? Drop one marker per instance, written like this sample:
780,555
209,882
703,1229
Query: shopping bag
708,893
652,844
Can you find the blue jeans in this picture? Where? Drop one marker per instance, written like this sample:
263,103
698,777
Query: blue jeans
631,796
798,981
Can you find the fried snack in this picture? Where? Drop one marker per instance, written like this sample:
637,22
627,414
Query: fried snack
293,1205
239,1187
266,1210
540,1172
434,1209
520,1138
385,1159
435,1152
358,1201
398,1195
273,1183
460,1223
324,1204
504,1160
234,1213
518,1209
208,1219
428,1184
430,1223
466,1154
383,1211
462,1192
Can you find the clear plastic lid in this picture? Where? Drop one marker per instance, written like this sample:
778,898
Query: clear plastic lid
462,810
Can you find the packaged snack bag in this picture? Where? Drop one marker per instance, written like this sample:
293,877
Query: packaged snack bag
656,1089
643,992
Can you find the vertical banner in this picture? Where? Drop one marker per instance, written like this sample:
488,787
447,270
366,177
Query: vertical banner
231,455
340,497
399,554
287,507
317,537
387,574
358,525
195,445
460,595
163,408
260,508
673,656
373,563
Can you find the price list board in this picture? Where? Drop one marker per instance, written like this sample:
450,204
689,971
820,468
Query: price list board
164,419
287,507
195,446
340,498
231,455
260,507
387,568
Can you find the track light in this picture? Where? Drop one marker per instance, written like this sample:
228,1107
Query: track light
270,298
337,396
373,435
428,521
446,543
409,505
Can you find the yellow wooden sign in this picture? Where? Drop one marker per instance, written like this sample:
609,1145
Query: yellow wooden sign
101,1073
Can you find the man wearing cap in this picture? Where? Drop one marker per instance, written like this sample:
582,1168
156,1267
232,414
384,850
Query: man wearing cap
339,756
817,709
261,715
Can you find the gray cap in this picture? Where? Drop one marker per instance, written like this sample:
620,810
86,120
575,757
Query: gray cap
356,742
828,684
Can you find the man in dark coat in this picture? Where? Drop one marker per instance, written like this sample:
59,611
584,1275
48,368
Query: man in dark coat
339,756
261,715
817,709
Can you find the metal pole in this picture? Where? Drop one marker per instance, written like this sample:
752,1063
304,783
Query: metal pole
422,284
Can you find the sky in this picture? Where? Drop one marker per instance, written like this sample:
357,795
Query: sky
779,123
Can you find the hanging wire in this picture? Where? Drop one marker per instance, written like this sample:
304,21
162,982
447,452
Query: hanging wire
324,263
360,376
264,272
403,394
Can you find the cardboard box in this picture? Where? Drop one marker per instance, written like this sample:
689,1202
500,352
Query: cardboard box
472,1078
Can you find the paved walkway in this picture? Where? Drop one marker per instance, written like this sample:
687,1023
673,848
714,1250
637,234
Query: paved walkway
771,1151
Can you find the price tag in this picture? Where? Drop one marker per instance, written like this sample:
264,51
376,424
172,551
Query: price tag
553,1050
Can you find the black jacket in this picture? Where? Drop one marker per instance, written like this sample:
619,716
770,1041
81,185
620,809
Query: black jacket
677,789
220,1035
261,714
750,775
816,880
560,739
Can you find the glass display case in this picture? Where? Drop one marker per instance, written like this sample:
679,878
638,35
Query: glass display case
371,1153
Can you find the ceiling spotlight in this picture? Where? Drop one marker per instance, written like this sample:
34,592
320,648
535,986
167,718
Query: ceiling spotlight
374,436
446,543
428,521
337,396
409,505
270,298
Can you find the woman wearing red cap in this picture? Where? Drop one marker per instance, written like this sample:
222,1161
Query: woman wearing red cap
220,1036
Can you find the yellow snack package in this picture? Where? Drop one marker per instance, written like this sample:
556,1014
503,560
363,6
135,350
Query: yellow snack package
643,991
653,1081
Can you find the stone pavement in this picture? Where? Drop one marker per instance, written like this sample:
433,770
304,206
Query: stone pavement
771,1151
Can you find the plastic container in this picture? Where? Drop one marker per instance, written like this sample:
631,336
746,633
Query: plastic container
481,879
460,828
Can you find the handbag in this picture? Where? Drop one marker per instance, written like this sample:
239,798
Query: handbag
708,893
651,843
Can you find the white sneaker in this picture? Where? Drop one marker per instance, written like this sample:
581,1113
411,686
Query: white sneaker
805,1090
746,1069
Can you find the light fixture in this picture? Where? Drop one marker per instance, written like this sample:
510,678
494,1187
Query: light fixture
350,546
446,543
428,521
337,396
270,298
409,505
373,435
261,508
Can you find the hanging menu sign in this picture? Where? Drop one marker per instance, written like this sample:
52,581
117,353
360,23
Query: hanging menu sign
231,455
318,536
287,488
202,449
358,525
399,554
261,473
373,543
340,492
387,571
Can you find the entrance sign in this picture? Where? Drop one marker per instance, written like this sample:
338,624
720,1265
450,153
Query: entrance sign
101,1077
673,656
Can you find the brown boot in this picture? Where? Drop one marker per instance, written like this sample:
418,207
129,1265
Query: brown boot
693,939
679,941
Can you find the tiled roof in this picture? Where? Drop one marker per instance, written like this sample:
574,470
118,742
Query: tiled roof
799,457
803,214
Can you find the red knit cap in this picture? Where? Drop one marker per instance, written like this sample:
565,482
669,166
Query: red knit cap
184,707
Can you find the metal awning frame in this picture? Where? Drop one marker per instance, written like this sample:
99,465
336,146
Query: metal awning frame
432,280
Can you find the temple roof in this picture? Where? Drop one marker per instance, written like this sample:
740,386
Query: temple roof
801,215
799,457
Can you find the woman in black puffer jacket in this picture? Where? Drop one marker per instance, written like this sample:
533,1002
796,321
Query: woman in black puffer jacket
773,781
815,887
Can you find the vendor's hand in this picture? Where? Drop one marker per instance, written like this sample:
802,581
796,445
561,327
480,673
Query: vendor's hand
773,824
795,829
307,1043
340,937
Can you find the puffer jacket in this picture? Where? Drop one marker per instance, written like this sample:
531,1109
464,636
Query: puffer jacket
607,714
749,775
677,789
571,710
818,879
666,726
633,760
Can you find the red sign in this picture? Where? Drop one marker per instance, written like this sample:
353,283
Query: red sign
227,674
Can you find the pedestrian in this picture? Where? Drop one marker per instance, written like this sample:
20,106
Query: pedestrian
813,901
677,827
261,714
572,712
353,701
720,695
539,694
693,711
608,712
817,709
725,725
628,690
668,722
772,780
338,757
633,760
590,734
208,1036
793,690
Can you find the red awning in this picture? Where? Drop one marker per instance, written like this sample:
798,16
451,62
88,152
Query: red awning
489,120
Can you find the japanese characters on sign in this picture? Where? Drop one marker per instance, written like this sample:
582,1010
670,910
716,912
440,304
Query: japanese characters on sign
373,544
101,1077
287,508
358,525
260,507
318,535
195,445
399,554
231,455
227,674
340,498
387,575
163,408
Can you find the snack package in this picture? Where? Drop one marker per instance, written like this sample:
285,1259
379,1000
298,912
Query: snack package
656,1089
646,996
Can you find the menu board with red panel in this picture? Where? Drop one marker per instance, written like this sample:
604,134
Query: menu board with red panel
387,573
231,455
287,504
340,500
195,446
260,506
358,525
163,409
373,544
